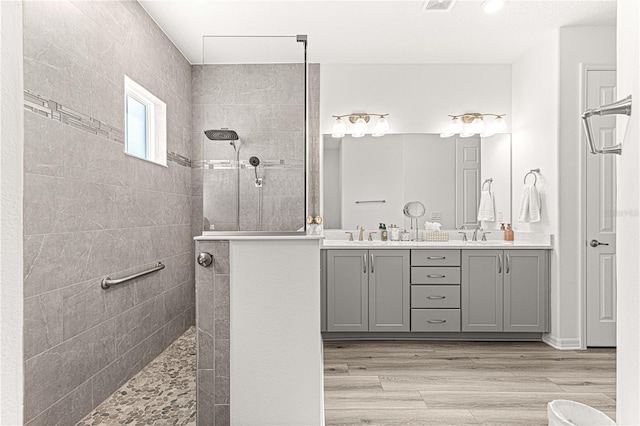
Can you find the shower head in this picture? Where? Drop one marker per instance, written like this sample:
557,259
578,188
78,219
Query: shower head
224,135
254,161
221,135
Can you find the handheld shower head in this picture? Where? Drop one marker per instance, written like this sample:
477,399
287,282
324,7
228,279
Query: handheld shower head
254,161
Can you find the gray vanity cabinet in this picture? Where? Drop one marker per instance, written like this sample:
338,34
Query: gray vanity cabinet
504,290
525,290
482,290
347,290
367,290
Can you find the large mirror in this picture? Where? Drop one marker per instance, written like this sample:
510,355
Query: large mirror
368,180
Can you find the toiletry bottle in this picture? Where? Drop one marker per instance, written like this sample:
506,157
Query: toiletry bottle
383,232
395,232
508,234
504,230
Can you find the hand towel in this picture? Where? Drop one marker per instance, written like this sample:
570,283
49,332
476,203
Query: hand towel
530,204
486,210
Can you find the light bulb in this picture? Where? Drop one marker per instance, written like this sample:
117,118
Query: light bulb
446,135
466,135
359,128
499,125
456,125
492,6
382,127
339,129
477,125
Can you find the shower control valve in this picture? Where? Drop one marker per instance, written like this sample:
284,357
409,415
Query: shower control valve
205,259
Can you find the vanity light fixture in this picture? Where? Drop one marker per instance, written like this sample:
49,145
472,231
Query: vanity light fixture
359,121
492,6
472,123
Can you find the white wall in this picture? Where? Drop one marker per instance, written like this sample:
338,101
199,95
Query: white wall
628,217
11,164
547,91
535,142
276,347
417,97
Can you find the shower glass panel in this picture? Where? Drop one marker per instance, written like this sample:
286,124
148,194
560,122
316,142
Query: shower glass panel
252,105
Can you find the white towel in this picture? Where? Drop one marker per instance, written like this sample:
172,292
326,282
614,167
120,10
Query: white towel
486,210
530,204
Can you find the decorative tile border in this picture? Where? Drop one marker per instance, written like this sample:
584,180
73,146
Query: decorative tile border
177,158
55,111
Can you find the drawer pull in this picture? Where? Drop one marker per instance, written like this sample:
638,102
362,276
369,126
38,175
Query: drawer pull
436,297
435,276
436,257
436,321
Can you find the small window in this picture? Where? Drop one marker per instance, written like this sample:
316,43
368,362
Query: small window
145,124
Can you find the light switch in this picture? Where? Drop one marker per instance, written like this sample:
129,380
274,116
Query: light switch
436,215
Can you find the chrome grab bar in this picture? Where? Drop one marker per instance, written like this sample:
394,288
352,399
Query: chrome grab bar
370,201
108,282
622,107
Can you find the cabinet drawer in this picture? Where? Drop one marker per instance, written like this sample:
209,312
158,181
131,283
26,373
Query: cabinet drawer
435,257
435,319
426,275
435,296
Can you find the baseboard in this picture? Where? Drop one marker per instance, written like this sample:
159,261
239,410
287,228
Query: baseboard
566,344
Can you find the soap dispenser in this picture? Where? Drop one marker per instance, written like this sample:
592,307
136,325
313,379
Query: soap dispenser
508,233
383,232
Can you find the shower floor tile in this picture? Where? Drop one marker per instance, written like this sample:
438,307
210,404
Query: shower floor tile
163,393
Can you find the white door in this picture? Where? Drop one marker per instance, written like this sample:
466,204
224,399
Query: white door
601,219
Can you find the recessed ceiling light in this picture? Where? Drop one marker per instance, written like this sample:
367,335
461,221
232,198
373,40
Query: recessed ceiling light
492,6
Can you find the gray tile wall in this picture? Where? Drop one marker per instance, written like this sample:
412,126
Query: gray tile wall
212,322
313,155
264,103
92,211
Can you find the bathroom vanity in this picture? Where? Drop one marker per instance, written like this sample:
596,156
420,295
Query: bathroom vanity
466,290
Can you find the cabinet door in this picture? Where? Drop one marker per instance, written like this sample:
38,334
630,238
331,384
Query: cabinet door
389,291
347,290
482,290
525,290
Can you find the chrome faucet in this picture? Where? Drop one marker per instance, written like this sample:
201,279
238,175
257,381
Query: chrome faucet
361,233
475,233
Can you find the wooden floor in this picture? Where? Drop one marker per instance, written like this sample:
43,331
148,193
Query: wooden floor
460,383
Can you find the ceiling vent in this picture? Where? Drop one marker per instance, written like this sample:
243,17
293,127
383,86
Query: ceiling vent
438,5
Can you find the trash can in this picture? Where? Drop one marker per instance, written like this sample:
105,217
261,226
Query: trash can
570,413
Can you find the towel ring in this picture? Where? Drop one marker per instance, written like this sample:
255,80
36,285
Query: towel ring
533,172
485,182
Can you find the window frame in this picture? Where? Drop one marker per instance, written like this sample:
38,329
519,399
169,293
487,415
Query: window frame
155,122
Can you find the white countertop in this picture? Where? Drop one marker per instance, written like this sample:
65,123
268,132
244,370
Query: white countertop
228,236
457,244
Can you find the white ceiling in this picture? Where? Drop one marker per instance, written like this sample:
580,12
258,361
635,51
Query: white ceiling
380,31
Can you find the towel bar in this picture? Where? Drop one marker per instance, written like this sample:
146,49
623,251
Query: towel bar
371,201
108,282
622,107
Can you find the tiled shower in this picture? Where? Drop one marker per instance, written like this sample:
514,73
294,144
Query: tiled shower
91,211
